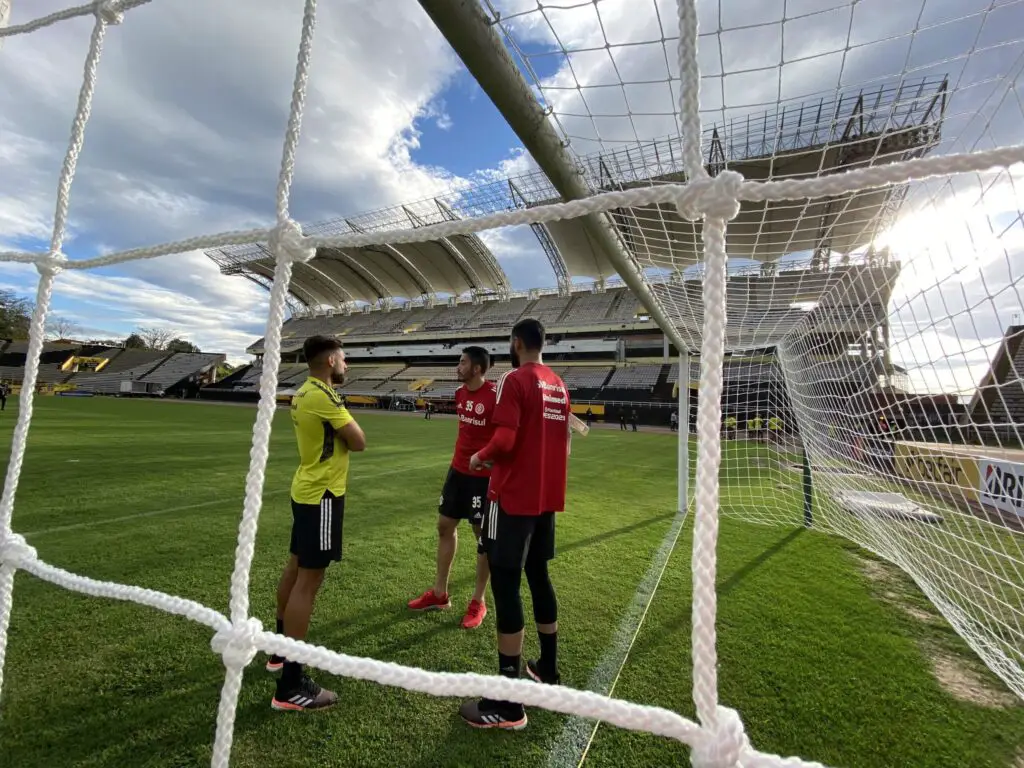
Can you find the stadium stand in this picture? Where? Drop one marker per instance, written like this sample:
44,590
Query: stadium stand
53,356
549,309
501,314
379,372
673,372
450,318
635,377
589,308
71,366
290,374
584,377
434,373
180,366
444,391
109,382
601,341
998,404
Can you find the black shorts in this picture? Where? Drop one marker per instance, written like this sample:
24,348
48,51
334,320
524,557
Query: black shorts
511,541
463,497
316,531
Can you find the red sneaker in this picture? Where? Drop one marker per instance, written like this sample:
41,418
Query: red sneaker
428,601
475,613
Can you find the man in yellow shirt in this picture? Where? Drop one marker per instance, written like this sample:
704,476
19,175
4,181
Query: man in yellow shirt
326,433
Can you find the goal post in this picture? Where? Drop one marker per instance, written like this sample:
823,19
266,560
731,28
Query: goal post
683,451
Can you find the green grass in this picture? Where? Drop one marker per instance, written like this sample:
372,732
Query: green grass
815,661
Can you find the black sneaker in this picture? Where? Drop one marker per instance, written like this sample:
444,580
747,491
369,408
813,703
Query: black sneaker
487,713
533,670
306,695
275,663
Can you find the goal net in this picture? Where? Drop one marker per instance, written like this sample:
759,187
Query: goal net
817,203
872,333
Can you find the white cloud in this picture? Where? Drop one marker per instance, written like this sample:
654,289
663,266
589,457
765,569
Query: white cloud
185,138
192,301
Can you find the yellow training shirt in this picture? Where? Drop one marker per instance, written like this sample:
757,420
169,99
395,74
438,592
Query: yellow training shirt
318,416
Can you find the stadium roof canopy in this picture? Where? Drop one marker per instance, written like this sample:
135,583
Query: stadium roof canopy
796,139
336,277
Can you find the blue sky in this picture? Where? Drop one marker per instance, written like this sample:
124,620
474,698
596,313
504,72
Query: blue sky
192,99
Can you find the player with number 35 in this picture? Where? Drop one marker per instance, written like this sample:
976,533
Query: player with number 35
465,490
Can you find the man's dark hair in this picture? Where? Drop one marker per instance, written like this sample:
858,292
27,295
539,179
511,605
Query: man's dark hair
478,356
530,332
315,346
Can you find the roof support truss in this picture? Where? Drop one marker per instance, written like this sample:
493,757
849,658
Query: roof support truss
547,243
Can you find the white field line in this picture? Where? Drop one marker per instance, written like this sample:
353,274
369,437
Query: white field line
211,503
570,749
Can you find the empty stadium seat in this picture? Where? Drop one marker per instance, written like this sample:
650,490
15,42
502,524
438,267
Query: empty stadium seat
549,309
588,308
180,366
501,313
451,318
634,377
584,377
435,372
625,308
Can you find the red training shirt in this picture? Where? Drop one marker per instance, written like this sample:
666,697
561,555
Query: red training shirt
475,410
530,478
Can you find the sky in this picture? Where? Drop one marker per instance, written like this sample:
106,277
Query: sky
192,98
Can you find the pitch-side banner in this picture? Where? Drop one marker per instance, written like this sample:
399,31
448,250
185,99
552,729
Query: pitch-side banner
926,464
1002,485
990,482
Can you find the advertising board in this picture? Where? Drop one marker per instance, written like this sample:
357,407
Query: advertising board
990,482
1002,485
931,464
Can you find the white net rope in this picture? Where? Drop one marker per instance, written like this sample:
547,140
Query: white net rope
718,739
867,327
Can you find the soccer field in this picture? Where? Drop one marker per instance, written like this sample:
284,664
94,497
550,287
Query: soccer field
822,657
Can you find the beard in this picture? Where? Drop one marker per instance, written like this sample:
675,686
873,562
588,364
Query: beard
337,378
513,355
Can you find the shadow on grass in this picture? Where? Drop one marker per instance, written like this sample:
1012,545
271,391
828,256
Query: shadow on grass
645,644
167,715
727,586
390,613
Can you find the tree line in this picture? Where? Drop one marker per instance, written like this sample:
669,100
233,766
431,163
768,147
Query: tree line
16,319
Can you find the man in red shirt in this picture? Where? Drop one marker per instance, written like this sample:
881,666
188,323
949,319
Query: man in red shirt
464,493
529,453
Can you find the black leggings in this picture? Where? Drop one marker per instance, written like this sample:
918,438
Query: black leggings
508,604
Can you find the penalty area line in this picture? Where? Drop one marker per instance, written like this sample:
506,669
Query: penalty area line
201,504
573,744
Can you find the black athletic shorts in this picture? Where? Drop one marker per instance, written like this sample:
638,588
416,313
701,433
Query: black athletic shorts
464,497
511,541
316,531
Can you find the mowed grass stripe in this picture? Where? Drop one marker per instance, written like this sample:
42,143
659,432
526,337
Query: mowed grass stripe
816,665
